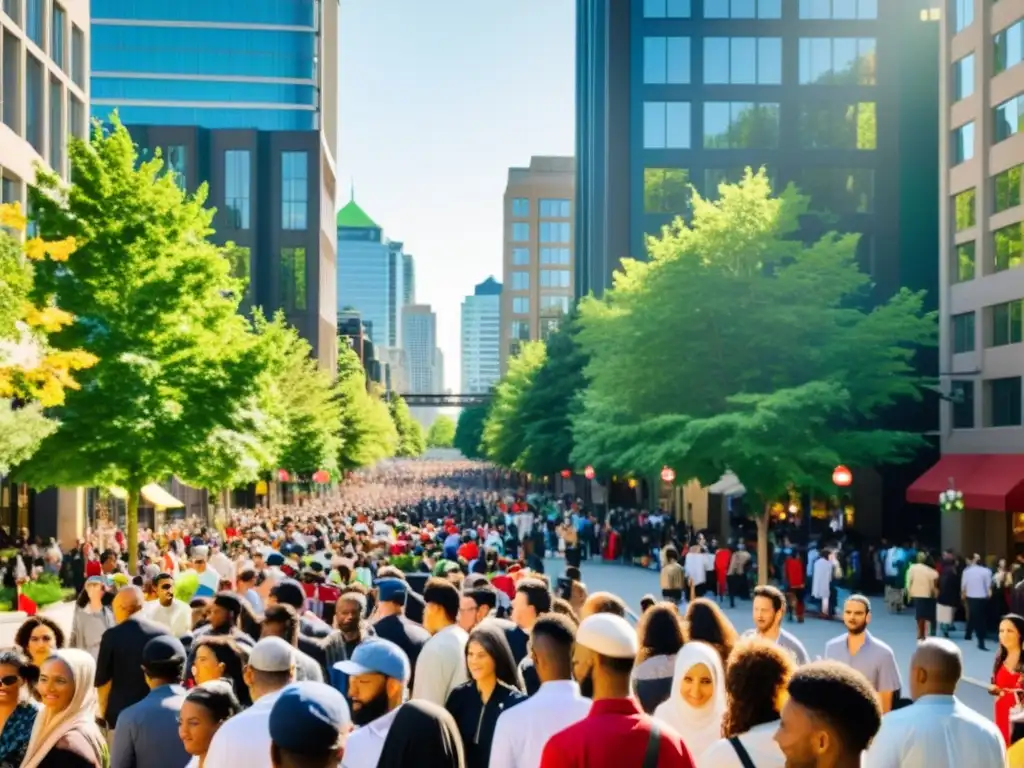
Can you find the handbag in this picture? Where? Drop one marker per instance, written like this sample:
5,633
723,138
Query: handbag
741,752
653,746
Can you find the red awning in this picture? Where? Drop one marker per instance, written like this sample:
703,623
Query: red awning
987,481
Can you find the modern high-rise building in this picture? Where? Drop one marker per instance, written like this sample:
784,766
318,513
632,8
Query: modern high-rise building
397,293
409,275
44,56
981,296
419,340
481,338
538,250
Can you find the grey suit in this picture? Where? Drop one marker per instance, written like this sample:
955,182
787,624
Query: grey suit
147,732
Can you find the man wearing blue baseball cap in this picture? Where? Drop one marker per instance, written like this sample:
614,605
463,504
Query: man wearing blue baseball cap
378,674
308,725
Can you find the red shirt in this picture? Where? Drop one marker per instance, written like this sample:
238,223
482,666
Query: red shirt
613,735
794,572
469,551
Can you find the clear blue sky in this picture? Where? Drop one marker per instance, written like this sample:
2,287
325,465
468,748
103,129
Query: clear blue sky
438,99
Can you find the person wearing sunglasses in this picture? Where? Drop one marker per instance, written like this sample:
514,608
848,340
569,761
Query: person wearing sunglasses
17,710
92,618
167,610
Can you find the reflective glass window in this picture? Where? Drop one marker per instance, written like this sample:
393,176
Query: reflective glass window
666,60
964,215
554,208
743,60
57,140
521,305
520,207
293,279
35,101
667,9
963,332
1006,251
1004,402
837,61
963,13
57,21
294,190
520,256
963,77
838,9
741,125
963,143
666,125
555,278
554,232
211,117
667,190
554,255
840,191
140,89
520,232
35,11
1006,186
826,125
963,262
297,13
1008,118
237,187
520,281
1007,324
1008,47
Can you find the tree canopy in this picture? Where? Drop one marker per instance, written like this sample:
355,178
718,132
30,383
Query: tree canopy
504,435
469,431
367,433
441,433
412,441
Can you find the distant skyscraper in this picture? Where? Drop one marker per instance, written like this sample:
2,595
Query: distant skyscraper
481,338
419,340
396,292
538,258
409,272
438,372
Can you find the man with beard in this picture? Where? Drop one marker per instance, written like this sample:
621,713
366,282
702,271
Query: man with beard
769,608
392,624
167,610
378,674
861,650
829,719
350,631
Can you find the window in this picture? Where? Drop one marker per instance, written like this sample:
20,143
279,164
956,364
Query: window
963,332
520,257
963,13
34,11
742,9
11,81
740,125
519,330
743,60
666,190
1007,323
13,9
520,206
520,281
34,103
554,209
715,177
554,231
1006,247
76,117
521,305
57,35
293,278
520,232
837,61
963,209
555,278
240,259
963,268
294,190
963,77
666,125
57,141
838,126
77,56
558,304
963,143
666,9
1007,188
1007,118
174,163
237,171
666,60
840,191
1008,47
1004,397
838,9
554,255
963,404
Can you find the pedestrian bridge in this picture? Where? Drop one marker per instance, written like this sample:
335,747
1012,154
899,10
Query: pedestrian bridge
445,400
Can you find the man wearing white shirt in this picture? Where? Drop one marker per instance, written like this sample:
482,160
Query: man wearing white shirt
522,731
167,610
441,665
244,740
378,674
938,730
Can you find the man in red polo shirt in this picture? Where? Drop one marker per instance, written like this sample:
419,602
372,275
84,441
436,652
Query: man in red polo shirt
616,733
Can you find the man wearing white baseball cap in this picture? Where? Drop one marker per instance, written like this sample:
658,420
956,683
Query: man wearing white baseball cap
616,732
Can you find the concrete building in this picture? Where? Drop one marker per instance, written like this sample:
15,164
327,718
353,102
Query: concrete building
981,281
839,97
409,276
419,340
481,338
538,251
44,55
394,369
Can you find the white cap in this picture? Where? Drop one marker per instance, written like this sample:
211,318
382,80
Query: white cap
608,635
272,654
200,552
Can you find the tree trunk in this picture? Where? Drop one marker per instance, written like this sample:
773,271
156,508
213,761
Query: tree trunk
132,534
762,545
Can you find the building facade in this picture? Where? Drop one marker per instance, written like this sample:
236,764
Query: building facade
44,57
481,338
419,340
409,276
538,251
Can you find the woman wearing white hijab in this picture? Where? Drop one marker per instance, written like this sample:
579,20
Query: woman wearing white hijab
697,703
65,734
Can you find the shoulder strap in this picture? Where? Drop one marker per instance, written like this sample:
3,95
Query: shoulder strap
653,746
741,753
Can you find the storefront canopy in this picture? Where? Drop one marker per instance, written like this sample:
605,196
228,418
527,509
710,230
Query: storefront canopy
154,494
728,485
987,481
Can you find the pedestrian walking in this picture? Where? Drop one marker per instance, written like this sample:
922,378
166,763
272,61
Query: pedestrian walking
441,665
859,649
378,677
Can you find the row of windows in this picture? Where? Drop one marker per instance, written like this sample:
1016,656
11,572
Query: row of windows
550,232
1006,253
548,304
746,125
1003,401
743,60
547,207
549,278
31,15
1006,194
1006,327
521,256
212,117
963,13
762,9
292,13
141,89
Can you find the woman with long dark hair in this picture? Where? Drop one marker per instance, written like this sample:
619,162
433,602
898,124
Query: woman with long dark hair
424,735
203,712
660,632
494,686
704,621
38,637
92,618
1006,673
218,657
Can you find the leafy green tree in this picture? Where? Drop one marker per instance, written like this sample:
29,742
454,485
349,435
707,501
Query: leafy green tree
367,432
412,441
155,302
504,437
469,431
442,432
738,347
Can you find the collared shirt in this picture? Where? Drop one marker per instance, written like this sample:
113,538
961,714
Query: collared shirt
363,747
875,660
523,730
976,582
177,617
441,665
786,640
244,739
614,734
147,732
936,731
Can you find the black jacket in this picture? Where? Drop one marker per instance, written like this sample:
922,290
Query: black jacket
476,720
407,635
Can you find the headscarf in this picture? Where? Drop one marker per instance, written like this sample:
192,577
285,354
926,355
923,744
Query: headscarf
80,715
425,735
699,728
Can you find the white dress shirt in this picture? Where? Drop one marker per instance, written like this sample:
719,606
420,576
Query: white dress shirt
244,740
760,744
441,665
177,617
363,746
522,731
937,732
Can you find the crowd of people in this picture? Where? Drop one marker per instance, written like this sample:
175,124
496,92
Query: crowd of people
408,620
